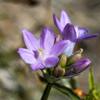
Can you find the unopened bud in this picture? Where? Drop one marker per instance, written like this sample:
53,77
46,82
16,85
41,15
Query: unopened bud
78,67
63,61
58,71
77,55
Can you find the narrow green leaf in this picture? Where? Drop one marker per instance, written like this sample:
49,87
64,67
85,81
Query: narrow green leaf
91,79
96,94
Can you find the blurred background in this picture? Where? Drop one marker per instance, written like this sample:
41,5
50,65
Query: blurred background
17,81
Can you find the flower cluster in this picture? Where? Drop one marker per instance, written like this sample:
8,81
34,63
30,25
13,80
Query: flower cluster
57,54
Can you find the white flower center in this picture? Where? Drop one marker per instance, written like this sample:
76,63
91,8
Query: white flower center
40,51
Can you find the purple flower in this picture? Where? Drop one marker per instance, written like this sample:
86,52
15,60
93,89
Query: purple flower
71,32
41,53
68,30
77,67
64,20
75,33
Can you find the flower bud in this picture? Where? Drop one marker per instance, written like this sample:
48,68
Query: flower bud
63,61
77,56
58,71
77,67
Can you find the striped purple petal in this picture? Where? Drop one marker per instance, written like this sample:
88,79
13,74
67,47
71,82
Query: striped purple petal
31,42
82,33
57,23
51,61
47,39
59,47
69,33
27,55
88,36
64,19
37,66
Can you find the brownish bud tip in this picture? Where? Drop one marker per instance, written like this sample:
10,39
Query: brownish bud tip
77,55
63,61
58,71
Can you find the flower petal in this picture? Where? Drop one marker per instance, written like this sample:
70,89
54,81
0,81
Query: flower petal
57,23
82,33
51,61
69,33
88,36
64,19
47,39
59,47
69,49
78,67
30,41
27,55
37,66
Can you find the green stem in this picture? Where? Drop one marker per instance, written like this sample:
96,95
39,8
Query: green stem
66,91
73,83
46,92
91,79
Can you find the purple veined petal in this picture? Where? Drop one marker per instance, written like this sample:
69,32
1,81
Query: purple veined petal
31,42
47,39
78,67
51,61
59,47
69,33
36,54
88,36
27,55
82,30
57,23
37,66
69,49
82,33
64,19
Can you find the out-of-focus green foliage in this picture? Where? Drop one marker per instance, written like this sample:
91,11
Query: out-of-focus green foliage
94,92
